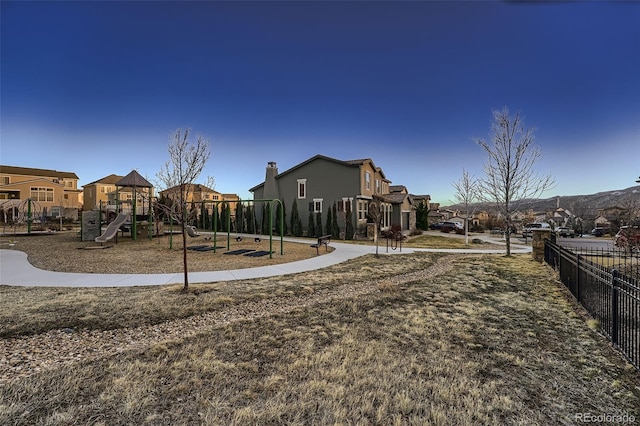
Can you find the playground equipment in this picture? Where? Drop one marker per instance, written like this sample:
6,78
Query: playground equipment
192,231
257,238
112,228
20,212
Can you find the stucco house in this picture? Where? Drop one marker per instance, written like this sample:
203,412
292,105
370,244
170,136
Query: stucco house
320,181
200,193
96,193
53,193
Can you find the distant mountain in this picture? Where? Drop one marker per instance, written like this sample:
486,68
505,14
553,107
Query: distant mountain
601,200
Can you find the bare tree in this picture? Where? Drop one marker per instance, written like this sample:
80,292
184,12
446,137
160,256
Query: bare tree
509,175
467,195
375,215
186,161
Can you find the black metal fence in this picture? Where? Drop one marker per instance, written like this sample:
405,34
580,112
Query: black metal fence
606,283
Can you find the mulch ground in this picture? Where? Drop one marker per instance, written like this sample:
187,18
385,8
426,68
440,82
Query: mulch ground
65,252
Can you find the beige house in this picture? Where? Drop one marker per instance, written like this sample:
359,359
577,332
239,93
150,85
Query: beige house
53,193
200,193
97,193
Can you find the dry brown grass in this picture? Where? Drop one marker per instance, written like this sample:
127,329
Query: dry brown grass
489,340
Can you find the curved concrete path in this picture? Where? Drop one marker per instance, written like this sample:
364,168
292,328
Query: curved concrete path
15,269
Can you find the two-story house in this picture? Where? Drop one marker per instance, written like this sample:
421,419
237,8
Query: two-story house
200,193
319,182
53,193
96,193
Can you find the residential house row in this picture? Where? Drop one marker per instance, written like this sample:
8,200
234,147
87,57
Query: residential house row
53,193
316,184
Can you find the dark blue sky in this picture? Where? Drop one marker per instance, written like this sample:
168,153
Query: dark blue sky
97,87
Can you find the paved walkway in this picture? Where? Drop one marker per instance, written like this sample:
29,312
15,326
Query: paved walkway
15,269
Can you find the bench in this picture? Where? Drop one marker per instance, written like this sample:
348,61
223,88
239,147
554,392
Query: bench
322,241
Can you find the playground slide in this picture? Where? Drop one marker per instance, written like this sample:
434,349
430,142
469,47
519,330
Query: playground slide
112,229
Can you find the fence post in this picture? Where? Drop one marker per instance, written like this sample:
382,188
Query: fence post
614,306
578,296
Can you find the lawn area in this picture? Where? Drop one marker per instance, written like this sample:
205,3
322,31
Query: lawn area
413,339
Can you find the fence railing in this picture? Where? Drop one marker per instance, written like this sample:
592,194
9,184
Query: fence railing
606,283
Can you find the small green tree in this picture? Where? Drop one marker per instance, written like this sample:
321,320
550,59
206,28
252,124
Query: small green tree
224,214
215,218
311,228
264,227
296,222
422,216
279,228
318,224
251,219
335,229
349,230
206,220
328,228
285,231
239,217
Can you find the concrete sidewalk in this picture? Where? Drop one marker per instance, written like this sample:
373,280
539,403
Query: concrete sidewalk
15,269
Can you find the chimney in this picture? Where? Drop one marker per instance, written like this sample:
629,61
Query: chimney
270,184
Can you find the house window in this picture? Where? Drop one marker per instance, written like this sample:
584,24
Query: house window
302,188
367,180
342,206
386,214
4,180
41,194
363,209
377,186
317,205
216,197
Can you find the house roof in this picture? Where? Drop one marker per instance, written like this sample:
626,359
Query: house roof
195,187
107,180
27,171
201,188
349,163
398,188
396,198
134,179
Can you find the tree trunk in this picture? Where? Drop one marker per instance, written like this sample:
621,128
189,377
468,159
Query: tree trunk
184,256
508,240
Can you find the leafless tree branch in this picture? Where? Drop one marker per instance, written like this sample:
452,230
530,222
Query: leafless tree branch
509,174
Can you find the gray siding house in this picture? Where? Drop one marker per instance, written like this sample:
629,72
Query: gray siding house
319,182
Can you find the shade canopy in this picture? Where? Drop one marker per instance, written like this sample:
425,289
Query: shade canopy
134,180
